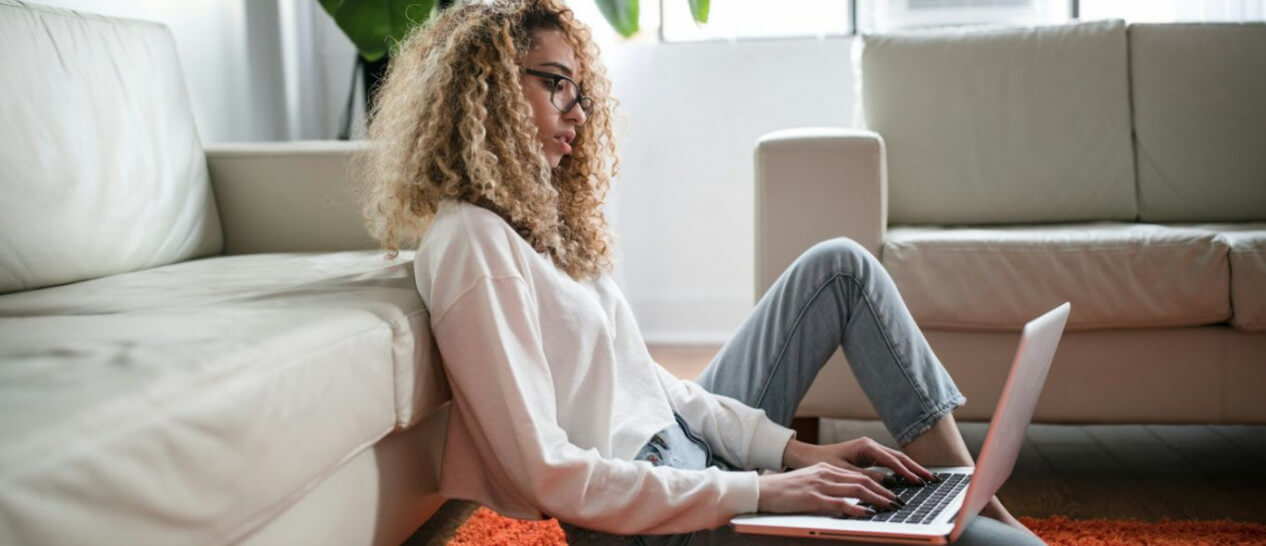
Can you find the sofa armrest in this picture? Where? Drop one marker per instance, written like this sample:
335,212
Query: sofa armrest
287,196
814,184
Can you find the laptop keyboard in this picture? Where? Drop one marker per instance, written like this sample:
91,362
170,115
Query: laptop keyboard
923,502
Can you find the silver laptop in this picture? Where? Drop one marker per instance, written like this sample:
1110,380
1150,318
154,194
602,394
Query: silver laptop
937,513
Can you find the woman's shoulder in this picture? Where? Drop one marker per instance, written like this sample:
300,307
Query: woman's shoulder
464,224
469,241
455,214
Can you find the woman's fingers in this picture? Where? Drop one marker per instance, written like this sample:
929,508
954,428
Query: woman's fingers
865,494
878,477
911,465
834,480
868,452
878,489
884,458
916,466
900,464
823,487
838,505
847,483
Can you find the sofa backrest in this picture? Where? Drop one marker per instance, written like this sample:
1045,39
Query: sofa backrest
1005,125
1200,120
101,167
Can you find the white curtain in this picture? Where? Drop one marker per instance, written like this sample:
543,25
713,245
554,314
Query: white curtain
303,90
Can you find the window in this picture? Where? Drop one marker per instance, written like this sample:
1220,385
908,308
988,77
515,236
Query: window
753,19
1167,11
757,19
888,15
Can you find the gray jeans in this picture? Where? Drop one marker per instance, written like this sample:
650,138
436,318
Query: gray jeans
834,295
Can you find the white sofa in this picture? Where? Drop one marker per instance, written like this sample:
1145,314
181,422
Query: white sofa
1003,171
197,346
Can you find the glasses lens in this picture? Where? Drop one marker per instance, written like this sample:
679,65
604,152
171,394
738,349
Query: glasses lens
565,95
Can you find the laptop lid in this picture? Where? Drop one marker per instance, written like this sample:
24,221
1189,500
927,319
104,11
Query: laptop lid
1015,409
1020,393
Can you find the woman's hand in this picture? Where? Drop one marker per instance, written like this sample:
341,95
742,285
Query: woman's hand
856,455
822,488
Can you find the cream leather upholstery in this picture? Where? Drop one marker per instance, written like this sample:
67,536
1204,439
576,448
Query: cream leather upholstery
258,375
817,159
1200,164
268,192
281,389
1005,125
103,169
1006,159
1116,275
1247,242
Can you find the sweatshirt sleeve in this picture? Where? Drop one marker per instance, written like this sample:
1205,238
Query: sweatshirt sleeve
738,433
490,339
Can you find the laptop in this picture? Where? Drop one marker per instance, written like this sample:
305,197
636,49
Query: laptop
937,513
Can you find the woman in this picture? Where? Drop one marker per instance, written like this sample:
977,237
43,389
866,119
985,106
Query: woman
493,150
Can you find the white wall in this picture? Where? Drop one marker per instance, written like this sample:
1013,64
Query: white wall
231,56
684,199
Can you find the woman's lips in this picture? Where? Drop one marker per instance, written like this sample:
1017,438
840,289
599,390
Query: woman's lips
563,144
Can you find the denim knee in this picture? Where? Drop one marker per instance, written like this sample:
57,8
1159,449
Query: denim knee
838,255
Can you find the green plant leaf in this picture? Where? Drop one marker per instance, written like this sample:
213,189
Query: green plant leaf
699,9
622,14
405,15
374,26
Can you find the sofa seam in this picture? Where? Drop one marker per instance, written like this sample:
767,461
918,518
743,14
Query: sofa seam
1134,139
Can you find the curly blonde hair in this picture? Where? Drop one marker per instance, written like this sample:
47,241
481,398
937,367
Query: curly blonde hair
451,121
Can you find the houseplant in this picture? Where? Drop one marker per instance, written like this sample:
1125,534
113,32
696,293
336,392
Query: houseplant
375,26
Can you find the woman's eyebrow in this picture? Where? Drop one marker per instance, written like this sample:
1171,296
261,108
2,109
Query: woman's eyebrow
560,66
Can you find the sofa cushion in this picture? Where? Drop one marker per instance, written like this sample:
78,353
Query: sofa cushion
1115,275
103,169
1004,125
188,403
1200,121
1247,242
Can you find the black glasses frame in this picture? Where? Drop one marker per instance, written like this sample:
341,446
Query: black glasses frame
585,102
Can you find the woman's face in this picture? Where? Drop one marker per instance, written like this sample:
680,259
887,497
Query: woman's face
556,129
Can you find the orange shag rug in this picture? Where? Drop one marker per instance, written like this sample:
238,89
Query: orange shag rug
485,527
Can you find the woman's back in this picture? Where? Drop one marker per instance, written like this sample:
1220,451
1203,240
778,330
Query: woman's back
605,393
550,375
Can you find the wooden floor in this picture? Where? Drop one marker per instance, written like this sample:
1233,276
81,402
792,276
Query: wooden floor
1144,472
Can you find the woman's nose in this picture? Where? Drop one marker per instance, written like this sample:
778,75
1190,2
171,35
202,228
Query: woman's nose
576,115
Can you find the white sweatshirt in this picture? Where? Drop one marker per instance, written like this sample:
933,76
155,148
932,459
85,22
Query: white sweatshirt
554,393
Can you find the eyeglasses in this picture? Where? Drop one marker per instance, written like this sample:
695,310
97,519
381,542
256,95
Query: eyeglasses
564,93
